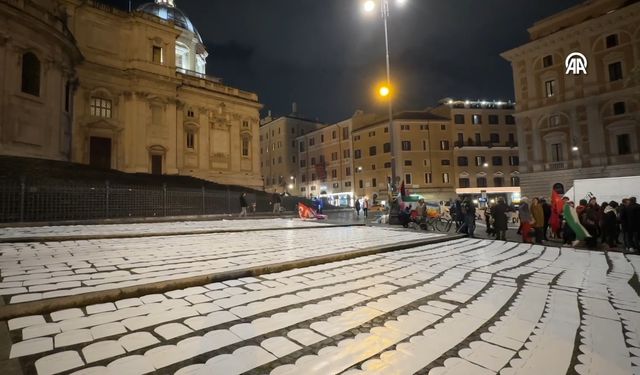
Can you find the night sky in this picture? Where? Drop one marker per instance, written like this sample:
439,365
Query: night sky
328,56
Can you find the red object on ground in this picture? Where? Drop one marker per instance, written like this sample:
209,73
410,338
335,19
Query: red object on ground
307,213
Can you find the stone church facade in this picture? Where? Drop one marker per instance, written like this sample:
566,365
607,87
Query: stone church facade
137,96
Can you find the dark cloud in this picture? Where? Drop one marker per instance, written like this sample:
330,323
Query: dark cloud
327,56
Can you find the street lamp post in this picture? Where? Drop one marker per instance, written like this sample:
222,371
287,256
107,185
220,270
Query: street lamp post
394,207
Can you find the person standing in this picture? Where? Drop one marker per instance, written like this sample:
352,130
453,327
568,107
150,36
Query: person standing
500,221
524,214
243,205
625,222
610,225
590,220
634,222
277,201
458,216
365,207
537,212
469,210
357,207
546,209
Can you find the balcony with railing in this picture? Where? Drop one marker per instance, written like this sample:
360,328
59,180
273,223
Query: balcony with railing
196,79
556,166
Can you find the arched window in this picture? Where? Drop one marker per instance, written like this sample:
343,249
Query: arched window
30,74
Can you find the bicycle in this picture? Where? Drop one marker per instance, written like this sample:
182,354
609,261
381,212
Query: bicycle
437,224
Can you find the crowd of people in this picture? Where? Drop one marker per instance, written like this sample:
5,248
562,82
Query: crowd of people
609,223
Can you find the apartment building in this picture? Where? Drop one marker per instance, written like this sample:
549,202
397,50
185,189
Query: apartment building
574,126
325,166
279,150
483,140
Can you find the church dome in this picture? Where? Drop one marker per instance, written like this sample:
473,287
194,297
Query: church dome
167,10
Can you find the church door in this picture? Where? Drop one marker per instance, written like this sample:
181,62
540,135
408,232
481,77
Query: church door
100,152
156,164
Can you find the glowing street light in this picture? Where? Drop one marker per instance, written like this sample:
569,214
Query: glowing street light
369,6
384,91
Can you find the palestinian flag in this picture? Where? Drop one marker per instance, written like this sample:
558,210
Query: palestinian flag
571,216
305,212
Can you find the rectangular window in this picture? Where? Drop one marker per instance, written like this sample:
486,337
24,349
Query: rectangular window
547,61
361,184
509,120
373,167
480,160
157,55
481,182
245,147
549,88
336,185
496,160
334,173
357,154
346,153
101,107
428,178
624,144
345,134
459,119
615,72
478,139
294,159
387,165
313,161
476,119
407,179
301,148
408,163
372,134
405,127
493,119
372,151
515,181
386,130
334,134
67,97
348,171
464,183
312,141
445,162
304,178
356,138
619,108
498,181
347,184
424,145
445,178
612,40
245,124
374,182
386,148
406,145
494,138
514,161
444,145
463,161
191,140
303,163
443,127
556,152
321,138
334,156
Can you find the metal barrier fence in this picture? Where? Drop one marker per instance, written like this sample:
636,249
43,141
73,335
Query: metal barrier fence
52,200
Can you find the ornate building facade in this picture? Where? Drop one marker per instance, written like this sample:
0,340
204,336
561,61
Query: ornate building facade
579,126
141,99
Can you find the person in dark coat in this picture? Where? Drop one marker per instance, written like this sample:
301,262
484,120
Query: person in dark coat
590,219
610,225
458,216
625,222
634,223
357,207
243,204
500,220
546,210
276,199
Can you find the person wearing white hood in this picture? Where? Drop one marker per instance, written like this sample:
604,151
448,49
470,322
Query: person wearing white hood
526,219
610,225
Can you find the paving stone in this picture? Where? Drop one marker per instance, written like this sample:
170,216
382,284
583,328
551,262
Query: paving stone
152,298
102,350
66,314
172,330
137,340
18,323
135,364
279,346
305,337
29,347
58,362
164,356
129,302
40,330
106,330
100,308
69,338
97,370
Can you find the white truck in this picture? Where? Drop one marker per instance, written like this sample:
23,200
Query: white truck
605,189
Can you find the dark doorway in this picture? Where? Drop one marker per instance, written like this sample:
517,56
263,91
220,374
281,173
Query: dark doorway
100,152
156,164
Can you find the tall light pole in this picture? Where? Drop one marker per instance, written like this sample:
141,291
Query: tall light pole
369,6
